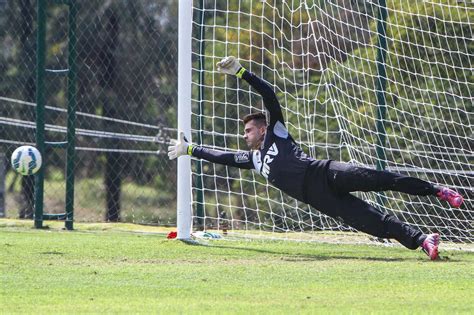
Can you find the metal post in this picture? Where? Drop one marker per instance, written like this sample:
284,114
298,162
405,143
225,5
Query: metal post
200,193
71,118
380,88
40,105
2,185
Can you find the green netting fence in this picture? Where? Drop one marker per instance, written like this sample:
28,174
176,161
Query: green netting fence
126,92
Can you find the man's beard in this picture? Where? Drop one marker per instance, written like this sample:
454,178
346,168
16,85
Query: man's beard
257,145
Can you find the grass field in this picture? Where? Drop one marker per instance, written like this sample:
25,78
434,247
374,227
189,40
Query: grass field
118,268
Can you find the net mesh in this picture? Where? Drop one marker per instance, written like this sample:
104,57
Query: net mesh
321,59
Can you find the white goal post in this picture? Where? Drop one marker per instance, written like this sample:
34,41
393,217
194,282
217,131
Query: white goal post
184,212
321,59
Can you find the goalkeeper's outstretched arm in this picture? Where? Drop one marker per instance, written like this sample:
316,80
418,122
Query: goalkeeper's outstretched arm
242,159
230,65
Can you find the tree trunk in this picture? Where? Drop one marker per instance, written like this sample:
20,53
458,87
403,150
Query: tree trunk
113,183
108,66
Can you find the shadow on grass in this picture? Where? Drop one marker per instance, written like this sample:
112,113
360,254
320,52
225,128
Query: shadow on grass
298,257
52,253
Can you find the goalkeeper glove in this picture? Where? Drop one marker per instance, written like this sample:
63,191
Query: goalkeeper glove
230,65
179,147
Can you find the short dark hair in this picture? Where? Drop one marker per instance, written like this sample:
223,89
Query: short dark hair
259,118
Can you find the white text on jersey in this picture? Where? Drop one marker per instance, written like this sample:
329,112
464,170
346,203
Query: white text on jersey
271,153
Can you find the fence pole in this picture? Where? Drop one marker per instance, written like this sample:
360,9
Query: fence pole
71,117
40,105
202,49
381,83
2,184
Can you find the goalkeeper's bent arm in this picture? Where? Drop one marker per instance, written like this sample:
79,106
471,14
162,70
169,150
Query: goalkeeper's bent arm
269,98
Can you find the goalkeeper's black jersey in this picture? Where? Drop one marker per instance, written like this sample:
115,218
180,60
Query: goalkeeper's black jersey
279,159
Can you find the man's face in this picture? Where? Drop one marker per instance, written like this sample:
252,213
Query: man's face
253,134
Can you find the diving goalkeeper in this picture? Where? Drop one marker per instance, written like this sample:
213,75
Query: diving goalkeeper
324,184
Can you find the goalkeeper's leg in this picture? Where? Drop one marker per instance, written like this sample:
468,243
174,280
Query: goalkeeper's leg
344,178
363,216
366,218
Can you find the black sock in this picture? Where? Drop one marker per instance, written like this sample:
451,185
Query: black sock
421,239
436,189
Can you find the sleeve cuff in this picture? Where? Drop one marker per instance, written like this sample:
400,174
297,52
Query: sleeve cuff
190,149
240,72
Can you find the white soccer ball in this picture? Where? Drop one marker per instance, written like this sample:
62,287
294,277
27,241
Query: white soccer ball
26,160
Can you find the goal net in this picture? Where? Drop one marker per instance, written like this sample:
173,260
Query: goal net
400,102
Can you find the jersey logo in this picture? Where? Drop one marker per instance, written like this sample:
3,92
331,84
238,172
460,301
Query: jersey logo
242,157
271,153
